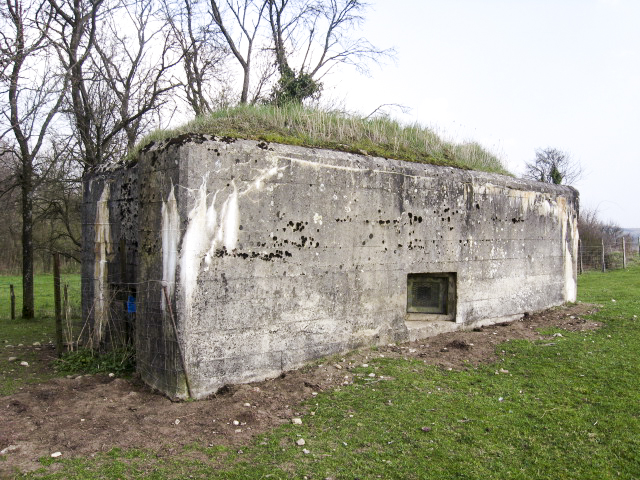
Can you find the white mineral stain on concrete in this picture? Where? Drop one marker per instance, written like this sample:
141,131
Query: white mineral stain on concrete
195,244
570,249
209,229
103,249
257,183
230,220
204,235
317,166
212,217
170,240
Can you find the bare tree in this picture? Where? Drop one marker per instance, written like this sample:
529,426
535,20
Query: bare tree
300,41
553,166
240,32
203,51
117,82
73,32
285,18
57,205
311,37
136,69
34,94
56,200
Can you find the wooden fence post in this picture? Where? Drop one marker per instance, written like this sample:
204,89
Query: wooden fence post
67,318
624,253
58,303
12,294
580,270
604,268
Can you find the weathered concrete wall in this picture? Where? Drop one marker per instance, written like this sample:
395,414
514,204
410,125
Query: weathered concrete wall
109,263
274,255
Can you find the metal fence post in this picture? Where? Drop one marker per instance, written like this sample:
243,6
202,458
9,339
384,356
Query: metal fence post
604,268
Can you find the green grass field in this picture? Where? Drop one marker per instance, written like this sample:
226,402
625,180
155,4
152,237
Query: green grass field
570,410
43,293
26,332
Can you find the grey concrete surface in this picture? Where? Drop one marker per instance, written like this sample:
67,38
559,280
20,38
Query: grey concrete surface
275,255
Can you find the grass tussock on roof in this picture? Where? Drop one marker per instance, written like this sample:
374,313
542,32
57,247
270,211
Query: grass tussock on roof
299,125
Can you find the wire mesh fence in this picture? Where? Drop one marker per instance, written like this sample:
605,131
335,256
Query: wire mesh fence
134,316
608,255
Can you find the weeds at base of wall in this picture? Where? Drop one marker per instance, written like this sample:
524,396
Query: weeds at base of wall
120,361
118,356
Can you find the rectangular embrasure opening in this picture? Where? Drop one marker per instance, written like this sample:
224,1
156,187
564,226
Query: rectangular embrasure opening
432,294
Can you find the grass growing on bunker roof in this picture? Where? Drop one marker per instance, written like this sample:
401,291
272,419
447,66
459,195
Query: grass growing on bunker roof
298,125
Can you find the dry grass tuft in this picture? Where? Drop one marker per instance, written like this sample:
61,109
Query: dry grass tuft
298,125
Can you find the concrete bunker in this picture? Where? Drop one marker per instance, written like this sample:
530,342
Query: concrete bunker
247,259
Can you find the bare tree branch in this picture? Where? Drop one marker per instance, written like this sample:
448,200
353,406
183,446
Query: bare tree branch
403,108
247,16
203,52
118,81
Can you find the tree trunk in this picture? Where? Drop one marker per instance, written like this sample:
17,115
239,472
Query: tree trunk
27,240
245,84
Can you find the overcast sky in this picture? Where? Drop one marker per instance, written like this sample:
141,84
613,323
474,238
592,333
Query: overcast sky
517,75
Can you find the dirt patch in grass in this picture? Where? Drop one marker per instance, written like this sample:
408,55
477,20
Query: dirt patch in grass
86,415
14,374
